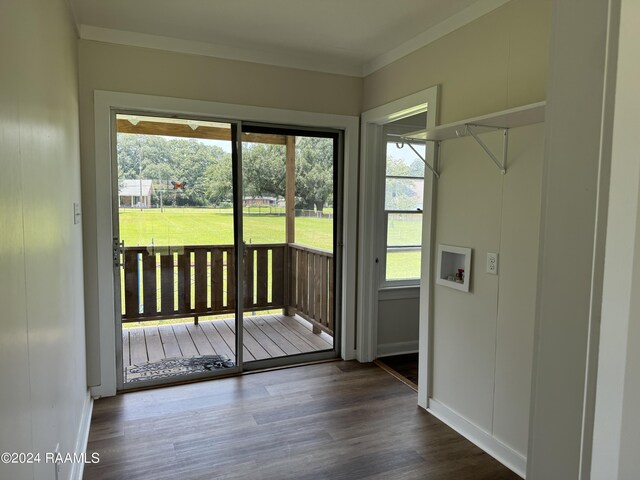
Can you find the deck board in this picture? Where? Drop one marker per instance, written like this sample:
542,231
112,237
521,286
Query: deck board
277,338
126,359
265,336
216,340
229,337
228,326
155,351
297,327
265,342
185,341
295,339
169,341
250,343
200,340
138,346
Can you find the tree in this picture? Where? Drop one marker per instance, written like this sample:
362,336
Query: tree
400,194
263,170
219,181
207,169
314,172
165,160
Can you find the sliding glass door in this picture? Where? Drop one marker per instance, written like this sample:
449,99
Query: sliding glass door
174,247
205,215
289,216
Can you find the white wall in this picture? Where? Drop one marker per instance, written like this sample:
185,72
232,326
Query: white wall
42,353
571,250
497,62
617,423
483,340
494,63
398,321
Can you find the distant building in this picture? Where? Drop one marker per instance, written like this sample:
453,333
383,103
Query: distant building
260,202
135,193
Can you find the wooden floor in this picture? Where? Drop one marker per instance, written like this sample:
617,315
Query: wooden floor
405,365
337,420
265,336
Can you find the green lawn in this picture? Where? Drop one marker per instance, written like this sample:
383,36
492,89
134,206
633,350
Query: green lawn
202,226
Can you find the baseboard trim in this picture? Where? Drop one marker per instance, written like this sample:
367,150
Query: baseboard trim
398,348
505,455
82,438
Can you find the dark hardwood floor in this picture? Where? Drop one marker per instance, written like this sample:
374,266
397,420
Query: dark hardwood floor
337,420
405,365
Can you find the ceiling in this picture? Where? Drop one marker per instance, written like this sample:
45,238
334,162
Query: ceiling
341,36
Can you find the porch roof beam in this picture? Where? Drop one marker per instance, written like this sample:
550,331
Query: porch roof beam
181,130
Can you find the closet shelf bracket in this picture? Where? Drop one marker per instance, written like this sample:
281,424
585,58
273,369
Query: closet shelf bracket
469,129
403,141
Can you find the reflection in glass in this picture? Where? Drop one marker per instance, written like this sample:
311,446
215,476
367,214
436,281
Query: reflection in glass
403,194
404,229
403,264
403,162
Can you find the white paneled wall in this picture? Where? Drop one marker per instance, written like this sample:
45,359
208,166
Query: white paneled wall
483,340
43,394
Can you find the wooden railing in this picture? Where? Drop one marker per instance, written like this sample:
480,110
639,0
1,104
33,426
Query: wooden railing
172,282
311,286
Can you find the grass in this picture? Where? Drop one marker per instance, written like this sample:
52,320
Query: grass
201,226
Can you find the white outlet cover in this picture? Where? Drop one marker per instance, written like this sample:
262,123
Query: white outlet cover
492,263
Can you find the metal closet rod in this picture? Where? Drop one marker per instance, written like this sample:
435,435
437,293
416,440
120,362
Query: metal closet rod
404,141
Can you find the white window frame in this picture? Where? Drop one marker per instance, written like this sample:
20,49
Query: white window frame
369,291
384,214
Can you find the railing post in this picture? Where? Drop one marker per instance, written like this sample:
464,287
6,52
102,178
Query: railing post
288,310
290,198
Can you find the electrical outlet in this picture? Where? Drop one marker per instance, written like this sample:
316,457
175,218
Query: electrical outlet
492,263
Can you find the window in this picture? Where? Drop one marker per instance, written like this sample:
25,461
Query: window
403,204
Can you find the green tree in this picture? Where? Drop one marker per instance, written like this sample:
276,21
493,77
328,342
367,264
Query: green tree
263,170
219,181
165,160
314,172
400,194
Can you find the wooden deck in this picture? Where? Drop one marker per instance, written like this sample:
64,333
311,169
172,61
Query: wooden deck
265,336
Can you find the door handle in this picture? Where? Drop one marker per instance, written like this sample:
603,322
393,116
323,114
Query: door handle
118,249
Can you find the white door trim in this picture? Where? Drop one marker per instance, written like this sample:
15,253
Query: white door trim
370,190
104,102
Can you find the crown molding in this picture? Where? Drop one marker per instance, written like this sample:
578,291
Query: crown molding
288,59
293,59
460,19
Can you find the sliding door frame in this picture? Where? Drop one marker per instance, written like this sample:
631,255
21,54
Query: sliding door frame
236,161
338,147
98,228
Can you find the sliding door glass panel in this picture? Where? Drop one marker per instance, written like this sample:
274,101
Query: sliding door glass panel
175,229
288,232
